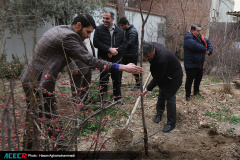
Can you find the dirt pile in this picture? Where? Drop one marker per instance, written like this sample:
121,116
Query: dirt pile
123,137
194,145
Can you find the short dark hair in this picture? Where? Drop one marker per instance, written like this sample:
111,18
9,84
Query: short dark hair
194,26
85,19
123,20
111,13
148,47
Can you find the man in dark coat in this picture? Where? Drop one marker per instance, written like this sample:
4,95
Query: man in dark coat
52,53
131,55
167,74
195,48
111,44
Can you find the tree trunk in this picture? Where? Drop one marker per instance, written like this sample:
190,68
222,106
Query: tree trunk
120,9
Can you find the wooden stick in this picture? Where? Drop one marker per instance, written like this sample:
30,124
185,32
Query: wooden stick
137,102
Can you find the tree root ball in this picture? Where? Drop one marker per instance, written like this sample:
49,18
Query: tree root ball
123,137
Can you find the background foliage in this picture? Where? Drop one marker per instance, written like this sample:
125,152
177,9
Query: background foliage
22,15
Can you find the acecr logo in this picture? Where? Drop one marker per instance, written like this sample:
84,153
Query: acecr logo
15,156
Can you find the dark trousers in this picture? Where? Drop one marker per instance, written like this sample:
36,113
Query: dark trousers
193,74
49,107
116,79
127,60
171,106
82,86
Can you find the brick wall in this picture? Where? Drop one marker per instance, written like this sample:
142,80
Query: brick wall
180,14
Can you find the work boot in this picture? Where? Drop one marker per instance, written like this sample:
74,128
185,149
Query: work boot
157,118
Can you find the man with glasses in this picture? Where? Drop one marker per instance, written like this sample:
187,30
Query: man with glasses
195,49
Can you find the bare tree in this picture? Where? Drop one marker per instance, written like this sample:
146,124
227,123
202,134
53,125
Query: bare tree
144,21
120,9
224,63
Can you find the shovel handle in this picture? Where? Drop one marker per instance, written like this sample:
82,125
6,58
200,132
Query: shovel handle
136,103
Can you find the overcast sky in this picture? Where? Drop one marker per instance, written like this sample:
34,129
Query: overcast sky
237,5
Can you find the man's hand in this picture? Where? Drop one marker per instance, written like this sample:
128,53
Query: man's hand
113,51
208,53
110,55
144,92
131,68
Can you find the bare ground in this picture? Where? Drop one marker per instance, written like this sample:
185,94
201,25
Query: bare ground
196,136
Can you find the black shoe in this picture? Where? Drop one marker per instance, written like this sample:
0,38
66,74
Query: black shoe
157,118
168,128
135,88
188,99
197,94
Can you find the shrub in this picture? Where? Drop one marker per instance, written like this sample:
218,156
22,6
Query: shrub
10,69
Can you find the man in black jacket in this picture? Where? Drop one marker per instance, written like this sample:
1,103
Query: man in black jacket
167,74
111,43
131,56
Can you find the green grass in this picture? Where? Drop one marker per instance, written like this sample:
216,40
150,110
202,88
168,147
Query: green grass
210,80
215,80
93,125
213,125
94,93
224,115
233,119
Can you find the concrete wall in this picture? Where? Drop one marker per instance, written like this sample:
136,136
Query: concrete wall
219,9
13,43
152,27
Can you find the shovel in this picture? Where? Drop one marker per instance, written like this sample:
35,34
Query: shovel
123,135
